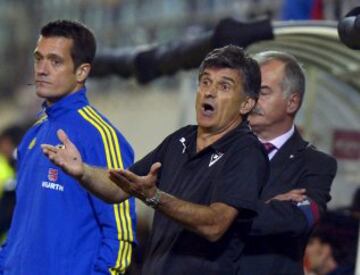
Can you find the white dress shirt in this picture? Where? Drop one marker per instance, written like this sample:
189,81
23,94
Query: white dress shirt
279,141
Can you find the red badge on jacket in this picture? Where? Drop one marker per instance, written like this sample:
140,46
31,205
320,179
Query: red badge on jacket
53,174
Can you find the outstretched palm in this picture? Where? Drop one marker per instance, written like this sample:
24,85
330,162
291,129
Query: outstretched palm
139,186
66,156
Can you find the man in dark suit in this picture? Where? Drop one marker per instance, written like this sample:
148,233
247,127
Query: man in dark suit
299,185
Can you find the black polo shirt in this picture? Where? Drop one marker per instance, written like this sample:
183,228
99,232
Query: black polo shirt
231,171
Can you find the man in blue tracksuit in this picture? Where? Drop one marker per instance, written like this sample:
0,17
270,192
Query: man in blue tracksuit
58,227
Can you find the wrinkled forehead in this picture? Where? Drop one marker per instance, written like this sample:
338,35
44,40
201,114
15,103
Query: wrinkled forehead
234,75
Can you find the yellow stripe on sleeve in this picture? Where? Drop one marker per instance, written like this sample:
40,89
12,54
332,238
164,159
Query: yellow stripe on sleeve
106,146
122,210
111,146
113,135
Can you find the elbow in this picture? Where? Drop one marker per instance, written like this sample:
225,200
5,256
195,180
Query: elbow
213,238
212,233
110,198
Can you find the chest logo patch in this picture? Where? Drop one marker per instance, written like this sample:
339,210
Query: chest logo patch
182,141
215,157
53,174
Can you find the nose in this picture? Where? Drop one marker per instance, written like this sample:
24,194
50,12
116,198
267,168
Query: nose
41,67
210,91
257,109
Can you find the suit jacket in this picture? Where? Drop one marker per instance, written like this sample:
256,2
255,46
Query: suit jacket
280,231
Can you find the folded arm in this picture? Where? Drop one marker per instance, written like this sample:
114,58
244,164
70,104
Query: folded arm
296,211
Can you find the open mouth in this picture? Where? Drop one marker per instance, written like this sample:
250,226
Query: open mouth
207,108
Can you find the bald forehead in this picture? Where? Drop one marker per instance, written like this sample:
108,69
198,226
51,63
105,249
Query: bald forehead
276,68
276,63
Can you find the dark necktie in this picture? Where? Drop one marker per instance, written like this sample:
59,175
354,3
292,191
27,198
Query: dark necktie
269,147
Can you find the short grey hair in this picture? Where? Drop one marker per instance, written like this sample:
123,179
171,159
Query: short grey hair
294,75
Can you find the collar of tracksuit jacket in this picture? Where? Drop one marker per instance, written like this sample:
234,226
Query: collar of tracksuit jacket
68,103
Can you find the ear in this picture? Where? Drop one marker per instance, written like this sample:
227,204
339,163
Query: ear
82,72
293,103
247,105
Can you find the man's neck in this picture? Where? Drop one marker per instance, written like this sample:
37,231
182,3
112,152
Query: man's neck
206,138
51,101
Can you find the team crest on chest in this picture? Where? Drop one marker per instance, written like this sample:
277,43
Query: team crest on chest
53,174
215,157
182,141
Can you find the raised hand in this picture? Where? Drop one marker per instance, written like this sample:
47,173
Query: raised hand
66,156
139,186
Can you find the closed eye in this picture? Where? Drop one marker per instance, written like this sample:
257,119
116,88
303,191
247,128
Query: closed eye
265,91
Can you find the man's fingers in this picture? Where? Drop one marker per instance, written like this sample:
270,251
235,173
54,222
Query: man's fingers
48,148
117,177
114,173
120,180
46,151
63,137
49,152
129,175
298,191
154,170
123,177
298,195
299,198
295,196
138,186
52,156
290,196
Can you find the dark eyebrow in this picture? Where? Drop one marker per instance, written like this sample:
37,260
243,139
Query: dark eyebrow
49,56
229,79
203,74
37,53
54,56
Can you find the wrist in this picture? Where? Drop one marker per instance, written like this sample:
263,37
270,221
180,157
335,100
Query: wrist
154,200
84,174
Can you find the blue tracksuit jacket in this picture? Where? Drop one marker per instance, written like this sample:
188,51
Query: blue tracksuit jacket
59,228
